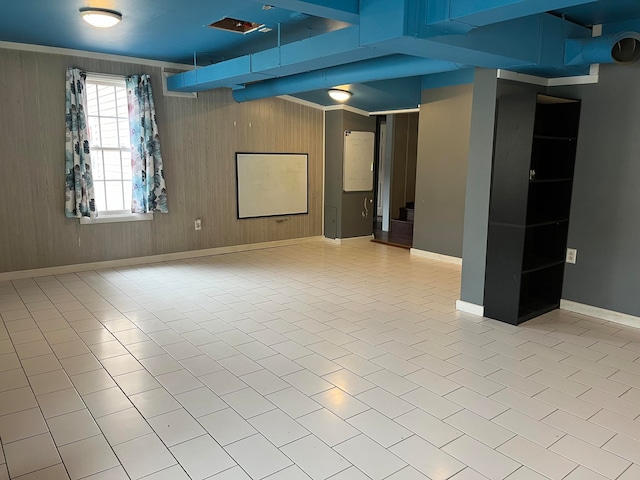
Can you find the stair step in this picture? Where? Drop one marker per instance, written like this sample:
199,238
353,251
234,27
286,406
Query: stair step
406,214
401,227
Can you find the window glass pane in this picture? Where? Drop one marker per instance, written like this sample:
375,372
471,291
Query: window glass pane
92,99
109,132
125,138
107,101
98,191
108,123
123,108
112,165
98,164
127,195
94,131
126,165
114,196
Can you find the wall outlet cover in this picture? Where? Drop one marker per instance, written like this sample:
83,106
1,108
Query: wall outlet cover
572,254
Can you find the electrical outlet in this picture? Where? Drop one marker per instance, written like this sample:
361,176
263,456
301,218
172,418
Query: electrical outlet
572,253
198,224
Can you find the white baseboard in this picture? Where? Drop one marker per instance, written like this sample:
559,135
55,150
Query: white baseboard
342,241
469,307
602,313
125,262
436,256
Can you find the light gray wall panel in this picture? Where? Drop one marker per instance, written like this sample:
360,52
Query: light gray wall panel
443,147
199,138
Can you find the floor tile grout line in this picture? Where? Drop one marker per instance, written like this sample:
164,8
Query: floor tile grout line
496,354
232,407
132,406
145,417
39,408
98,426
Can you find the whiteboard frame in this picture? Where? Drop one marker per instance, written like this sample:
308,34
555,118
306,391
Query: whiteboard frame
238,156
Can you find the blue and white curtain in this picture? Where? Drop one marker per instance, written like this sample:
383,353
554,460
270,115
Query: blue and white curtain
149,190
79,197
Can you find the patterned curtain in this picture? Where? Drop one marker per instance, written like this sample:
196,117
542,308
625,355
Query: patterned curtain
80,200
149,190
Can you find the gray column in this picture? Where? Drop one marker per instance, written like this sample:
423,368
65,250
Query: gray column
476,214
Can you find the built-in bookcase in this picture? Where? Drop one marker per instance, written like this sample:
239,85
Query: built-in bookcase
534,157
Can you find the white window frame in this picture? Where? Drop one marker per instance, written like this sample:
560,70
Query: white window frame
112,216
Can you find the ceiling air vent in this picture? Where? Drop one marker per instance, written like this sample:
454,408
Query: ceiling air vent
235,25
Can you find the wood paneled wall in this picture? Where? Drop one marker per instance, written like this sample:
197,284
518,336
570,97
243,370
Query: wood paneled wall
199,138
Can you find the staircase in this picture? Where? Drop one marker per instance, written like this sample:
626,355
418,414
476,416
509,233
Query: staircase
406,212
404,225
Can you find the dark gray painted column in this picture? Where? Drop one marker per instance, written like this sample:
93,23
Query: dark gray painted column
347,214
358,209
476,213
333,154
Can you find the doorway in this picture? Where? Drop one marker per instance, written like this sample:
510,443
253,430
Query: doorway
395,171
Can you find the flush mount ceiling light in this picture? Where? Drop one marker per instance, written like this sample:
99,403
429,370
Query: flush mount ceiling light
339,95
100,17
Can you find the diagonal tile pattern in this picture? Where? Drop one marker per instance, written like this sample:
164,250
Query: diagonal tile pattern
311,361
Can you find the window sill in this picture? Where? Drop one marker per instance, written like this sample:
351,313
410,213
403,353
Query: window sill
117,218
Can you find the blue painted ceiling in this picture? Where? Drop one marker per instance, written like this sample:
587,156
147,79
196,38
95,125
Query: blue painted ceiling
521,35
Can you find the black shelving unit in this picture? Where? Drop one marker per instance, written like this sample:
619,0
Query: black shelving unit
534,157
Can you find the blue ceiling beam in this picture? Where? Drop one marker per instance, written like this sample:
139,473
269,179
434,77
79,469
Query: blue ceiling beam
342,10
389,27
385,68
461,16
333,48
235,71
540,40
623,26
394,26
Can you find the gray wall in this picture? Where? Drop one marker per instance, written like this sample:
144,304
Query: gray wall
443,147
605,211
345,213
199,138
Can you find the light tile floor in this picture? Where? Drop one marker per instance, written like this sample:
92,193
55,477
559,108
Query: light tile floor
311,361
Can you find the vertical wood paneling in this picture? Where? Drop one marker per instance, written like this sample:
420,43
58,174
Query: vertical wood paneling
199,139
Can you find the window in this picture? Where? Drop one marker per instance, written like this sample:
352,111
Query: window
108,123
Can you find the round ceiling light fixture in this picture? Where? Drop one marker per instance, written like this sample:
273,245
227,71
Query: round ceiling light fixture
100,17
339,95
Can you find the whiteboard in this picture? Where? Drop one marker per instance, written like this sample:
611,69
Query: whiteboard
358,161
270,184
